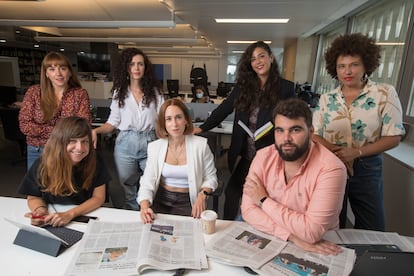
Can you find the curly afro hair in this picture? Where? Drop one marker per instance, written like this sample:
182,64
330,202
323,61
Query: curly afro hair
353,45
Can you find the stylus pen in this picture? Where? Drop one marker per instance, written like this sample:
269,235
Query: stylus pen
38,217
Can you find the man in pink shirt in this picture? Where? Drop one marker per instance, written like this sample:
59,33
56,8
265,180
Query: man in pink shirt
294,189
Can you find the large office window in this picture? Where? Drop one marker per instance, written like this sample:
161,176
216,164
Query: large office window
390,23
387,24
324,82
406,85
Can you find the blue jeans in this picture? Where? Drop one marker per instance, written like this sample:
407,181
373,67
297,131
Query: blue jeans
130,155
365,193
33,152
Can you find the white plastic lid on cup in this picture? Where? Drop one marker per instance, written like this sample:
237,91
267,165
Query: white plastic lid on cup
209,215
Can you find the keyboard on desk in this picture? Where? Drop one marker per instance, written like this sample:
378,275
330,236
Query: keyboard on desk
70,236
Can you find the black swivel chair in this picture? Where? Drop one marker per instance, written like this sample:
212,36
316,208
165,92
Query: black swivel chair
10,122
173,87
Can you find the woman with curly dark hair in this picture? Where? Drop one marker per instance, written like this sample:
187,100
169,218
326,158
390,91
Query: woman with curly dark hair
135,104
358,121
259,87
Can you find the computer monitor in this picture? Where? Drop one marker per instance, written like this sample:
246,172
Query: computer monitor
173,88
8,95
224,89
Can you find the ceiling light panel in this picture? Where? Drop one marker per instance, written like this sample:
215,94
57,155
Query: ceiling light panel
253,21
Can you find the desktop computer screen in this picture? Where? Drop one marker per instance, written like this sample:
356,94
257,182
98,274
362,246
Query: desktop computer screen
8,95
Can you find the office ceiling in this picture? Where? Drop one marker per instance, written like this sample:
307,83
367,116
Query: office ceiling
73,24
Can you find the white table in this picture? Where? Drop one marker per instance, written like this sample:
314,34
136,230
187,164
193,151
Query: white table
19,261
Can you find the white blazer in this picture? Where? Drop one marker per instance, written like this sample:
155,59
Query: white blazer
200,163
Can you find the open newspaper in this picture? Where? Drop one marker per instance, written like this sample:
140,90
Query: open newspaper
241,245
130,248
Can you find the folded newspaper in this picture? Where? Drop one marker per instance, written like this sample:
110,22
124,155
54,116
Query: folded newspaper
294,261
130,248
242,245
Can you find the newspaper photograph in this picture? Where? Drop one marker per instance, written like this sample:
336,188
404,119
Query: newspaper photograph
294,261
242,245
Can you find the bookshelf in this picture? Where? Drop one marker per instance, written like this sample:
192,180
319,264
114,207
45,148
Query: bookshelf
29,64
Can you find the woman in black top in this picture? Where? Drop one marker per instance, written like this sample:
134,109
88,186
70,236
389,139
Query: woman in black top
68,172
259,87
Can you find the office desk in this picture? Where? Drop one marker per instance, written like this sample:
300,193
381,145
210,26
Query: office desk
19,261
225,129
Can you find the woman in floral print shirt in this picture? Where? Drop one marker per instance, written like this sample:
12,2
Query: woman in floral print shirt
358,121
58,95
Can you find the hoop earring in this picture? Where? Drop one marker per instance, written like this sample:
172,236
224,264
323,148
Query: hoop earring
364,77
127,77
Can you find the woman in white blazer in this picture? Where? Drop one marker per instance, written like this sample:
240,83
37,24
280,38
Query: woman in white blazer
180,171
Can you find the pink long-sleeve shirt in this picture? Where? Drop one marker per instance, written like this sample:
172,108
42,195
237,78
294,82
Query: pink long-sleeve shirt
307,206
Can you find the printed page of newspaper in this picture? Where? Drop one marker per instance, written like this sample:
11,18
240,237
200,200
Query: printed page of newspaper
242,245
107,249
172,244
374,237
293,261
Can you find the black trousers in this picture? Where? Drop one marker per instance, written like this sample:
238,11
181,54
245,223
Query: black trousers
234,189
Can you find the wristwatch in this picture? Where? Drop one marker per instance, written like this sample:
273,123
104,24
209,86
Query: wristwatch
261,201
204,192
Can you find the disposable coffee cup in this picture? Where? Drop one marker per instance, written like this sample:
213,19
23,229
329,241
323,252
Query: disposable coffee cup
208,220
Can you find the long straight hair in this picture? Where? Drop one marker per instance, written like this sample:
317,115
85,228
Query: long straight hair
48,103
56,170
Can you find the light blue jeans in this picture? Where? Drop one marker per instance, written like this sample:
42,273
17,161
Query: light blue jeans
130,155
33,152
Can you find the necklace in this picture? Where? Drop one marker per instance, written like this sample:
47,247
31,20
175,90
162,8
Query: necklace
175,154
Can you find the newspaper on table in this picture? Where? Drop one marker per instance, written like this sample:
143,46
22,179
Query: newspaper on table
293,261
242,245
357,236
129,248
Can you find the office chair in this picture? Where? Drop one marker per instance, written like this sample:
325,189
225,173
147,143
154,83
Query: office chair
10,121
173,88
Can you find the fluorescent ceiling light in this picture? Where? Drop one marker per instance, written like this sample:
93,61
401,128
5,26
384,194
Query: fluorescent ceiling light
252,20
237,52
390,43
88,24
143,40
246,41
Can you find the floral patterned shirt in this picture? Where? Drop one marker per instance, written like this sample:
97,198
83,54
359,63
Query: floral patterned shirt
75,102
375,113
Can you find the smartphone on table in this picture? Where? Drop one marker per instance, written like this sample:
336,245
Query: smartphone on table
84,219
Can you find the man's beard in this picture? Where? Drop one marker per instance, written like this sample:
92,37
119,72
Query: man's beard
299,151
